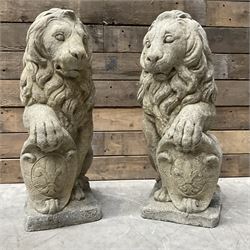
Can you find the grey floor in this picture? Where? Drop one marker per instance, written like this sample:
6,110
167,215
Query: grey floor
123,228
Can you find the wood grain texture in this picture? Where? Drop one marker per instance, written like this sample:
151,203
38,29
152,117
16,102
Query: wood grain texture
221,40
211,13
117,28
225,13
109,93
127,143
127,167
228,0
26,11
127,119
114,66
123,93
102,11
13,36
129,38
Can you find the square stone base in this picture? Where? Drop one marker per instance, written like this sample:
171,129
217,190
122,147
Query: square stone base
166,211
76,212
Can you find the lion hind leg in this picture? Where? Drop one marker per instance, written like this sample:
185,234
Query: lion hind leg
82,181
78,191
162,195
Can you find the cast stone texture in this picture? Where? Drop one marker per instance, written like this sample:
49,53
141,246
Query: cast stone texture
57,91
177,93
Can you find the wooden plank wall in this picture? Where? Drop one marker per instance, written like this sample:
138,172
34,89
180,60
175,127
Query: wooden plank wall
117,28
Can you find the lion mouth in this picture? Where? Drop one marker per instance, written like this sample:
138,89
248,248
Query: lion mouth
71,73
160,70
160,76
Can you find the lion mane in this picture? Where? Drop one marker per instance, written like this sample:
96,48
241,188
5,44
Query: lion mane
39,83
190,82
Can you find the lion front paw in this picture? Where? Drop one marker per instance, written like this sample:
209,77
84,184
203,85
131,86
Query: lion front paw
185,133
47,135
50,206
162,195
189,205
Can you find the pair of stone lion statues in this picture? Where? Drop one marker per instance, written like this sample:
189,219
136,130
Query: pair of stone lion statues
177,93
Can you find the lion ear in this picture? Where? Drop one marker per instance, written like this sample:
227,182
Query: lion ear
181,14
70,14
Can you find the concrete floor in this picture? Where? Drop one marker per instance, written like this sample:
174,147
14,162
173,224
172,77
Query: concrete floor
122,227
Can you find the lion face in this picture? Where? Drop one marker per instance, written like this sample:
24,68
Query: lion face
65,43
164,47
57,61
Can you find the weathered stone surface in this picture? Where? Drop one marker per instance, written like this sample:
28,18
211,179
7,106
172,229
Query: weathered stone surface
166,211
123,228
76,212
57,90
177,94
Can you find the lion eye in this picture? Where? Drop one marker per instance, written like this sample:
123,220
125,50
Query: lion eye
168,39
60,37
148,44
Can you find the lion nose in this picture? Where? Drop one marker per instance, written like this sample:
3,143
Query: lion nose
78,54
153,59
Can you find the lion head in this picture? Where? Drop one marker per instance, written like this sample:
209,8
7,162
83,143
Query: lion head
57,64
176,62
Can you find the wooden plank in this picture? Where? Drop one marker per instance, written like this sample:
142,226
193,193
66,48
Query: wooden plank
212,13
127,167
108,93
123,93
7,150
229,0
104,143
116,93
114,66
128,143
224,13
102,11
228,118
9,93
221,40
231,66
26,11
129,38
233,93
117,119
127,119
228,40
15,35
144,12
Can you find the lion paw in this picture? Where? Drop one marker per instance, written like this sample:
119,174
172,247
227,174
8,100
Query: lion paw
185,133
162,195
47,134
78,190
189,205
77,194
50,206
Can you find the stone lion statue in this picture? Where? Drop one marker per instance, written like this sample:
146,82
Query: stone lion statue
177,92
57,91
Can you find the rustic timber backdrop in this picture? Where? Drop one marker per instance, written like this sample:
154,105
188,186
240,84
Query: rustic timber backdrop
117,28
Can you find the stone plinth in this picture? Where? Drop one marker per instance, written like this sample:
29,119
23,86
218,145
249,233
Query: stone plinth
76,212
166,211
